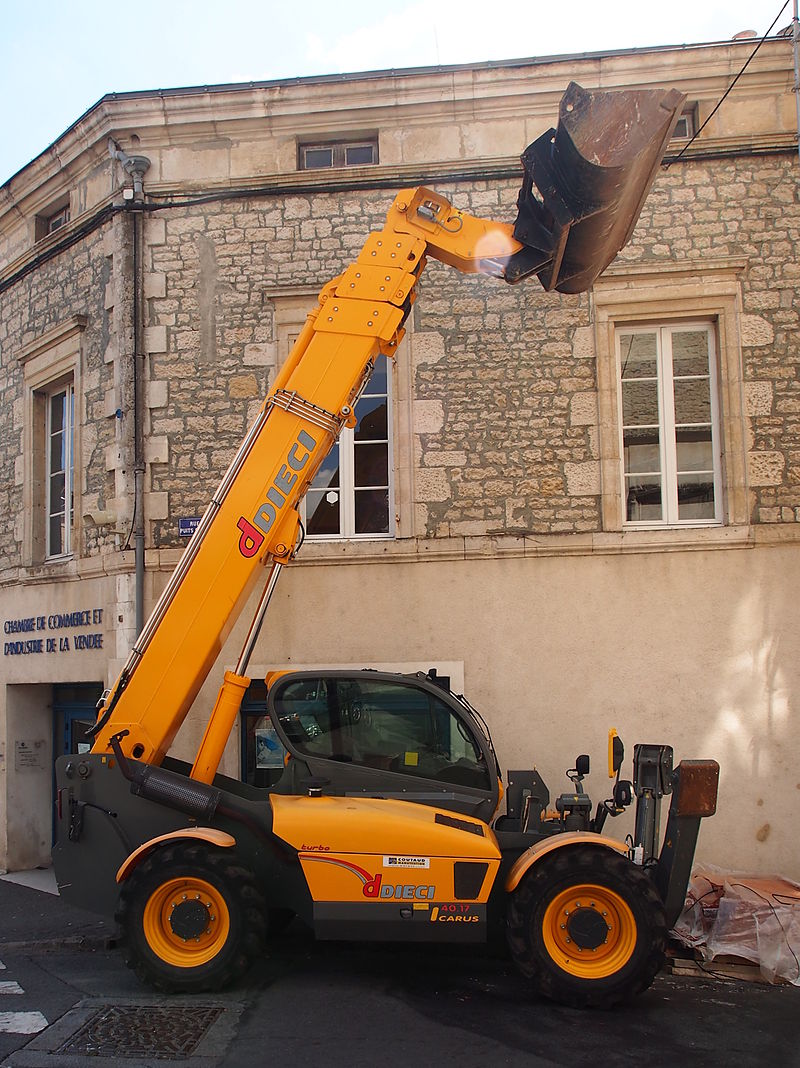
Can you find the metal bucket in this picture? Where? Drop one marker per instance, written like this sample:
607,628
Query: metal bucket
593,174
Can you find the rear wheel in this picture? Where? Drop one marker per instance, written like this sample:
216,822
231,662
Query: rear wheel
588,927
191,918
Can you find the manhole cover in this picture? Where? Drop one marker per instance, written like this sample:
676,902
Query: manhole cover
141,1031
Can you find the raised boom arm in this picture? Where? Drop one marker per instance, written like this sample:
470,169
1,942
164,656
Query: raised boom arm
593,182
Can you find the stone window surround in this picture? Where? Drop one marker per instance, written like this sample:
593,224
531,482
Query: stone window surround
291,306
687,123
51,359
640,293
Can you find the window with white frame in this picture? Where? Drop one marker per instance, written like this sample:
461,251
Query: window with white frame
686,125
364,490
53,217
59,477
51,366
352,494
690,377
670,450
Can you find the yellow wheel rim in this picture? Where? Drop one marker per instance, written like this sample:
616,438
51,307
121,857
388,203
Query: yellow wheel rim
209,927
589,931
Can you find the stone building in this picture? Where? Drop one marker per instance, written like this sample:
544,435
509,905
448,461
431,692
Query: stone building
583,509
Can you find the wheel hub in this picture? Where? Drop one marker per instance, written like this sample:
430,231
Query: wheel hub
189,919
587,928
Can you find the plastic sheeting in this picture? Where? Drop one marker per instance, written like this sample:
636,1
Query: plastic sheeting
750,917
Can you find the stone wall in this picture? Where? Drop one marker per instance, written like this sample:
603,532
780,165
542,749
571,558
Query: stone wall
505,411
79,282
504,379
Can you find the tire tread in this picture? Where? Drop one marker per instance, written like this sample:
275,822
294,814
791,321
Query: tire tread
243,893
576,865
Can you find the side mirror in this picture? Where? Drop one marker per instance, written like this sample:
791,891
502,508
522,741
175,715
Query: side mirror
582,765
623,794
616,753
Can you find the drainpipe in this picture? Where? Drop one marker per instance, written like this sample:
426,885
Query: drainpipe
796,50
138,418
136,167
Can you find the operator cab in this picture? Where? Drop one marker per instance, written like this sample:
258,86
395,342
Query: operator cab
375,734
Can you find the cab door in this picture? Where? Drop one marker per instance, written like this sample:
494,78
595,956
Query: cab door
380,735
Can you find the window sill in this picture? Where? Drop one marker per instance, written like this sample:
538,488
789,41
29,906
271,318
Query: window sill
673,539
55,568
485,547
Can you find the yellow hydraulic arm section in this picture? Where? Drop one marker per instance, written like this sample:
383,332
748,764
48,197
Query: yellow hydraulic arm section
252,521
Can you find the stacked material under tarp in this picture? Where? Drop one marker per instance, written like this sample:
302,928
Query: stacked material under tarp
748,917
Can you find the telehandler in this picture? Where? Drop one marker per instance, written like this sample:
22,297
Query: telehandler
385,820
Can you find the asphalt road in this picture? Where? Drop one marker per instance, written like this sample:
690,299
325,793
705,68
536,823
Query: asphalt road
336,1005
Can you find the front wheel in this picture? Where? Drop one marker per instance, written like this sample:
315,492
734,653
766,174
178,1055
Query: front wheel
588,927
191,918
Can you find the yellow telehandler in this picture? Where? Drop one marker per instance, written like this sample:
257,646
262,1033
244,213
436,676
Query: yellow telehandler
388,818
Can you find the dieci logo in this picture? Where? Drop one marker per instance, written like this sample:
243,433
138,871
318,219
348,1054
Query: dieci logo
373,886
253,533
376,887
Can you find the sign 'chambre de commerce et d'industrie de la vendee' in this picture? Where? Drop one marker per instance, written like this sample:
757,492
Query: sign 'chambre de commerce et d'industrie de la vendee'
64,632
59,632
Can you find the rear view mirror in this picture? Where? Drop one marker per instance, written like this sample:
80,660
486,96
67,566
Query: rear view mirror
582,765
616,753
623,794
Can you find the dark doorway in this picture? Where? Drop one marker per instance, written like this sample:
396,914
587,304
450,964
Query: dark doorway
74,712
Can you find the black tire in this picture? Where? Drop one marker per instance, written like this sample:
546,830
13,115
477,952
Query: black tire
587,926
192,919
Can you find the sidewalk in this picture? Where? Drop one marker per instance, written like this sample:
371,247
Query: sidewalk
32,915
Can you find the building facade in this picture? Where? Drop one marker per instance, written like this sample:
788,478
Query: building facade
585,510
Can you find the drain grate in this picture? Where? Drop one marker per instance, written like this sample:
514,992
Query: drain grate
142,1031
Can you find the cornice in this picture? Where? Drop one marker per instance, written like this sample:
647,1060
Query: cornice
618,272
524,88
57,334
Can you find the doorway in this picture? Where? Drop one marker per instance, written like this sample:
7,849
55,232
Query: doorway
75,712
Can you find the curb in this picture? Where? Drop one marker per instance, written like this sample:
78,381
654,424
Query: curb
49,944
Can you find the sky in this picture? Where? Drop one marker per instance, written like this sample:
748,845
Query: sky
59,58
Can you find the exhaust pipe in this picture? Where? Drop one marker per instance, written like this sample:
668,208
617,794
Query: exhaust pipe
593,173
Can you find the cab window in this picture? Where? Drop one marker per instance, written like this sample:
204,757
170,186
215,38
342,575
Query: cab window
381,724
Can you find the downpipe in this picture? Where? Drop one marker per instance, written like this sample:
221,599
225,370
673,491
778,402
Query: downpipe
136,167
137,221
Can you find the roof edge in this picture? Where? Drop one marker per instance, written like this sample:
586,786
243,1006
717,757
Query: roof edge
323,79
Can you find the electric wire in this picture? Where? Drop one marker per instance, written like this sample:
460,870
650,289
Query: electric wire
176,199
727,91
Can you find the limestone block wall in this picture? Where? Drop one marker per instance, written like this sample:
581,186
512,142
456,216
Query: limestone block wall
504,381
83,282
